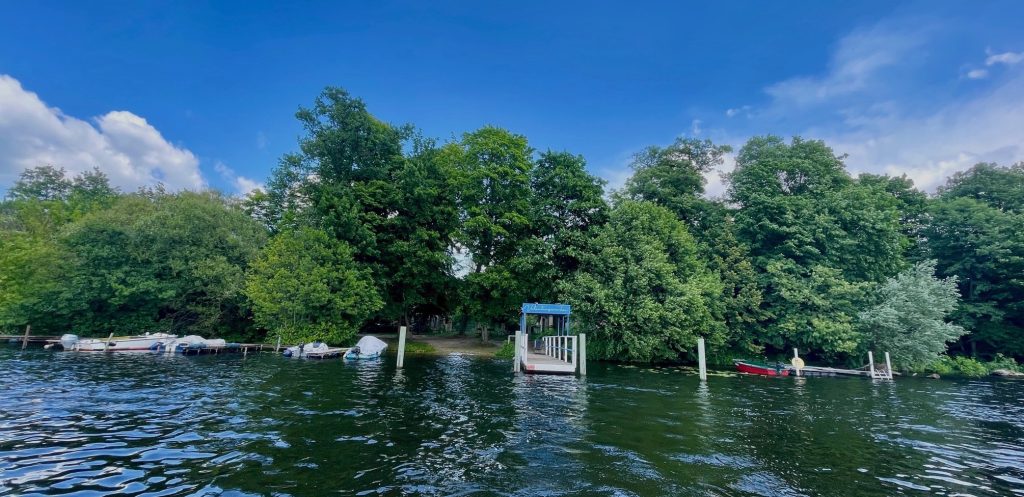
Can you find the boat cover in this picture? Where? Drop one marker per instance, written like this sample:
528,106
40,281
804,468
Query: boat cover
371,346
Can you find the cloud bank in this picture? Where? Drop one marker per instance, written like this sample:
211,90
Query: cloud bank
123,145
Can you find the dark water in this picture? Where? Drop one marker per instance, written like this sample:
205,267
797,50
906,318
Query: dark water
93,425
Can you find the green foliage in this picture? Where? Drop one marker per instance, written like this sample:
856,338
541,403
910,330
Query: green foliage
962,366
643,294
909,318
977,234
507,351
305,286
419,348
674,176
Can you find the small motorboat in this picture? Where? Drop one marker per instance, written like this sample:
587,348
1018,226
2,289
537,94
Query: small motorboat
191,344
315,350
367,348
760,368
114,344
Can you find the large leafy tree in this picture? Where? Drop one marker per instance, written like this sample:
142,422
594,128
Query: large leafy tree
353,179
909,316
643,294
160,262
976,233
566,208
306,286
494,168
815,237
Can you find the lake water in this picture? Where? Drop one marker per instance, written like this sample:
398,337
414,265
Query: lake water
93,425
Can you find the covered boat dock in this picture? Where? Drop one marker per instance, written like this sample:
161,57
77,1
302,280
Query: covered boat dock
561,353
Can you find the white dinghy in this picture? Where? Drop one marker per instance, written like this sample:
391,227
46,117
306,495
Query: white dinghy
367,348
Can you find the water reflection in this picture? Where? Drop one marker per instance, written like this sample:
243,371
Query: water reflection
81,424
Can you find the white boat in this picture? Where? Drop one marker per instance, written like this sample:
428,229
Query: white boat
145,342
190,343
367,348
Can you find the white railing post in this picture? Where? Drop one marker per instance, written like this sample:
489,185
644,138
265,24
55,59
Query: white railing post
888,366
583,354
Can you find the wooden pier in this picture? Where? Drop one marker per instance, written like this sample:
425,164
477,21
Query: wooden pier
551,355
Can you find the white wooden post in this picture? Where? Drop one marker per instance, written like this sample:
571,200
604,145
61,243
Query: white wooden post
401,347
701,360
871,363
24,341
796,355
278,347
515,356
583,354
888,366
107,343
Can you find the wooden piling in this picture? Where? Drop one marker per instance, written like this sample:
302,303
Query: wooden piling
278,347
702,360
24,341
888,366
401,347
515,356
106,344
871,364
796,355
583,354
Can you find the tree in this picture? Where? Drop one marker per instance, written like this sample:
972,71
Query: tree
167,262
908,319
41,183
353,180
494,199
983,246
566,208
643,294
816,238
306,286
673,176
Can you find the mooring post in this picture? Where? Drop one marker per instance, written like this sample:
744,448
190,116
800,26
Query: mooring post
245,352
107,343
888,366
702,360
401,347
583,354
796,355
24,341
871,363
278,347
515,355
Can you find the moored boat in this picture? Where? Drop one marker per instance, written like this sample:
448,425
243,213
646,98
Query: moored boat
760,368
114,344
367,348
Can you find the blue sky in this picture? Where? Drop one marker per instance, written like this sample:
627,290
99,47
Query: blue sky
203,94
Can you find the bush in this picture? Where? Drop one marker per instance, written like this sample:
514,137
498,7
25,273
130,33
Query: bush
963,366
507,351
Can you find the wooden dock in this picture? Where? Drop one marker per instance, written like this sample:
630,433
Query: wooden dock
552,355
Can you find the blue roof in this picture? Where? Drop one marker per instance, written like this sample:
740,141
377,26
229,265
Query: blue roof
557,309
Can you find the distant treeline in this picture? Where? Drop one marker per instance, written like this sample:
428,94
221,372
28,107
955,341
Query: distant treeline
369,224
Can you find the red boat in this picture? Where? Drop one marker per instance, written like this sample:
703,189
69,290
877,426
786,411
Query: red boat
760,368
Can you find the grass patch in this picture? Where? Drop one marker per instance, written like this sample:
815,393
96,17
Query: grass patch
419,348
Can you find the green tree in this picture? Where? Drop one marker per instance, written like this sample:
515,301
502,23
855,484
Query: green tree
306,286
815,237
494,197
673,176
643,294
172,262
908,319
41,183
983,246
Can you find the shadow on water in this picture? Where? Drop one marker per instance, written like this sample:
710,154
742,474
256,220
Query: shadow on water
96,425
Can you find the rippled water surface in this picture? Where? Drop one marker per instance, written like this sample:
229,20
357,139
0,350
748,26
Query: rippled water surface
94,425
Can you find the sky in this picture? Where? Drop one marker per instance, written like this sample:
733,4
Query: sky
203,94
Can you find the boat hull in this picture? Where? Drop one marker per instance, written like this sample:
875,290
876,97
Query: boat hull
144,343
761,369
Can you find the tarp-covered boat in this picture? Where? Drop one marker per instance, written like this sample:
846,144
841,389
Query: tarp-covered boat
760,368
191,343
315,350
367,348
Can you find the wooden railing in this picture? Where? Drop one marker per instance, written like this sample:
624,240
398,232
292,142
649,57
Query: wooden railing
561,347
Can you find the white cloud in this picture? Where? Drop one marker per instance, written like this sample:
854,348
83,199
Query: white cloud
858,59
977,74
715,186
123,145
243,185
261,140
1007,58
695,129
737,111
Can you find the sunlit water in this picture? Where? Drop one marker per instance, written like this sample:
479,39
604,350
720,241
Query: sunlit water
93,424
